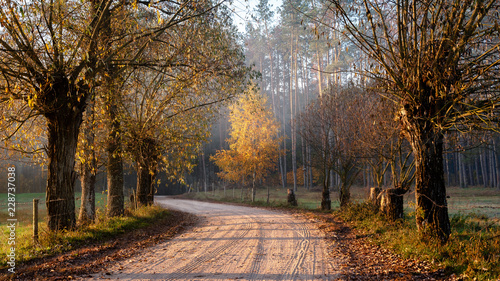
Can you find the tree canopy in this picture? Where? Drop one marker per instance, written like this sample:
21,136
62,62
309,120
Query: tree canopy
253,143
55,55
438,61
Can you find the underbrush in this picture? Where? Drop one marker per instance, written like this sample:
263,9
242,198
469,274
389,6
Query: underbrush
51,242
472,251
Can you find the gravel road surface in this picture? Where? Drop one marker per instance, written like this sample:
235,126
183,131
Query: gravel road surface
233,243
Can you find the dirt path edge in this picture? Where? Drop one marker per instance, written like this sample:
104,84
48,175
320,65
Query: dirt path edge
97,257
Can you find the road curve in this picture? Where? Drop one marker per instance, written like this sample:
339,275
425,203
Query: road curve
233,243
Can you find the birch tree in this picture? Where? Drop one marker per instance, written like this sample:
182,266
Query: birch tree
253,143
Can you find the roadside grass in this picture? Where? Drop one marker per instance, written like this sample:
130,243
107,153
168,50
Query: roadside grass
473,250
306,199
462,201
51,243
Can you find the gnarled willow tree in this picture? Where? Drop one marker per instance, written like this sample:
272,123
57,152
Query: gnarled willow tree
52,53
438,61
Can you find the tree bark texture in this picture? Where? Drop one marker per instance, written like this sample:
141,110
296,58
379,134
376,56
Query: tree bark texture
293,136
344,194
147,169
374,196
392,203
88,180
115,163
63,127
430,191
291,197
253,187
88,174
144,186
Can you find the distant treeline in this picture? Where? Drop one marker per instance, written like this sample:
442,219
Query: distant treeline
33,179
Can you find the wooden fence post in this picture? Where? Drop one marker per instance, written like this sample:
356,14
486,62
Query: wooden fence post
35,220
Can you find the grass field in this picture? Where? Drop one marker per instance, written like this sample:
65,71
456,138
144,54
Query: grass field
24,216
24,206
50,243
479,201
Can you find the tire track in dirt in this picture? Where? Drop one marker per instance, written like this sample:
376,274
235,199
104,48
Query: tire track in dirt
212,251
294,264
259,255
233,243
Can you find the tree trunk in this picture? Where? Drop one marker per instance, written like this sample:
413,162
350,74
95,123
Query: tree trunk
392,203
326,202
285,170
478,174
144,182
204,169
492,168
88,175
344,194
447,166
464,180
430,190
309,167
115,163
282,173
320,80
88,179
292,119
304,157
484,172
62,131
291,197
147,168
253,187
282,160
374,196
152,186
496,166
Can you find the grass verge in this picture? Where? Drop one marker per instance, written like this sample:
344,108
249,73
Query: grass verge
473,250
52,243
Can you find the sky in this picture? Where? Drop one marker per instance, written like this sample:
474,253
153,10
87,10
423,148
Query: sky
243,9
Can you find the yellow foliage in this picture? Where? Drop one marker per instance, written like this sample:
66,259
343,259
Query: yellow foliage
300,175
253,142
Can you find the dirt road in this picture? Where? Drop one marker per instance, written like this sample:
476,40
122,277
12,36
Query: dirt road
233,243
